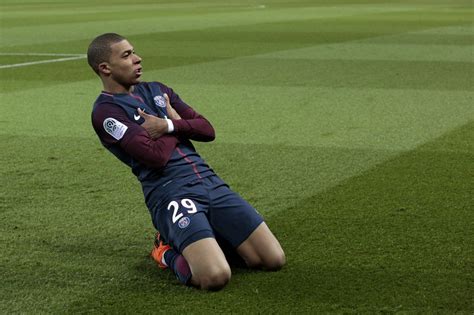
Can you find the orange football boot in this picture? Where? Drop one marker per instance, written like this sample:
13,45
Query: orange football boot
158,251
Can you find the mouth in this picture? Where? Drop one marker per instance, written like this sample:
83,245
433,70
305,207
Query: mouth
138,72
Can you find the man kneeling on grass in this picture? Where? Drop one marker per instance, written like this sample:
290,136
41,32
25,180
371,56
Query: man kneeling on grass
148,127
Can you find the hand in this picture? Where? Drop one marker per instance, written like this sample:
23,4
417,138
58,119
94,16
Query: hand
156,127
172,114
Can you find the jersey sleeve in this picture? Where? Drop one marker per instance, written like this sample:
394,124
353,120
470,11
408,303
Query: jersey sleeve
192,125
113,127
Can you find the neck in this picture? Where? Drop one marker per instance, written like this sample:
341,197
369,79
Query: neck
115,87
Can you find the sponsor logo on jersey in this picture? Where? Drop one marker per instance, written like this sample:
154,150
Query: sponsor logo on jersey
184,222
114,128
160,101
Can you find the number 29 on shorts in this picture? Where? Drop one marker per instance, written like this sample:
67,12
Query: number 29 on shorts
188,204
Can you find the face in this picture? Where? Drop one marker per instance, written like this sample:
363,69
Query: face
124,66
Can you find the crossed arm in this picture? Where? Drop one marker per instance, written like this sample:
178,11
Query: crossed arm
150,143
185,121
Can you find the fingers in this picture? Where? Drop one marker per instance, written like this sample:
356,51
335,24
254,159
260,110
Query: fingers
142,113
168,104
171,111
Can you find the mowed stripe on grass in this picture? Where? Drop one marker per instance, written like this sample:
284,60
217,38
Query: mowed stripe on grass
370,220
375,230
227,42
163,21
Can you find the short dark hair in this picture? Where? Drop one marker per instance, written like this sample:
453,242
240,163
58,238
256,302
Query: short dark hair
99,49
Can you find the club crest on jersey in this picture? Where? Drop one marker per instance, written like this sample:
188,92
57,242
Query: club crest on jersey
160,101
184,222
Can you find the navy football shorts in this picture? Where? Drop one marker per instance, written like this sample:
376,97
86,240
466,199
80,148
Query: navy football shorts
186,213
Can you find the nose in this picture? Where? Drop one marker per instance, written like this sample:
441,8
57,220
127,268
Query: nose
138,59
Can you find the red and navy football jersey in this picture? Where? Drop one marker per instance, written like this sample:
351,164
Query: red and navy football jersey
155,162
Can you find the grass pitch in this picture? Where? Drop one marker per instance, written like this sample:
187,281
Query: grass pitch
348,124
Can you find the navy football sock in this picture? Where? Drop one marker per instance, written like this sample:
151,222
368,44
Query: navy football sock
178,264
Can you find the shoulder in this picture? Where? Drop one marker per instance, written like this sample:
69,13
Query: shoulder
107,112
109,120
163,87
105,108
103,101
152,88
156,83
151,84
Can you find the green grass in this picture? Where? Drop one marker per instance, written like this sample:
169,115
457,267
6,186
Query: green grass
348,124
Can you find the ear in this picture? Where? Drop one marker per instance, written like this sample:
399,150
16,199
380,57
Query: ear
104,68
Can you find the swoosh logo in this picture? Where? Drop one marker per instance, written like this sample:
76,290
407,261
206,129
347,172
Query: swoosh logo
137,117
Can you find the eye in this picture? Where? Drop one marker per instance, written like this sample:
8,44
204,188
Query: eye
126,54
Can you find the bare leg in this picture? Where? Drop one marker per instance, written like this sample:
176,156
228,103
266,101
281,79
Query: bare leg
208,265
262,250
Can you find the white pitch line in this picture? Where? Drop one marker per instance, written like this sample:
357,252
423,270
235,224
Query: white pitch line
39,54
41,61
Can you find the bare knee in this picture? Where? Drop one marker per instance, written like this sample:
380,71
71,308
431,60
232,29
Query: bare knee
275,262
214,278
262,250
209,267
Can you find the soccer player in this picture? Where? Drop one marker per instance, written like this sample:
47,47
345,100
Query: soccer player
148,127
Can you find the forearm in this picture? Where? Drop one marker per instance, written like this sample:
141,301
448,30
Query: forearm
154,150
198,129
187,123
153,153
